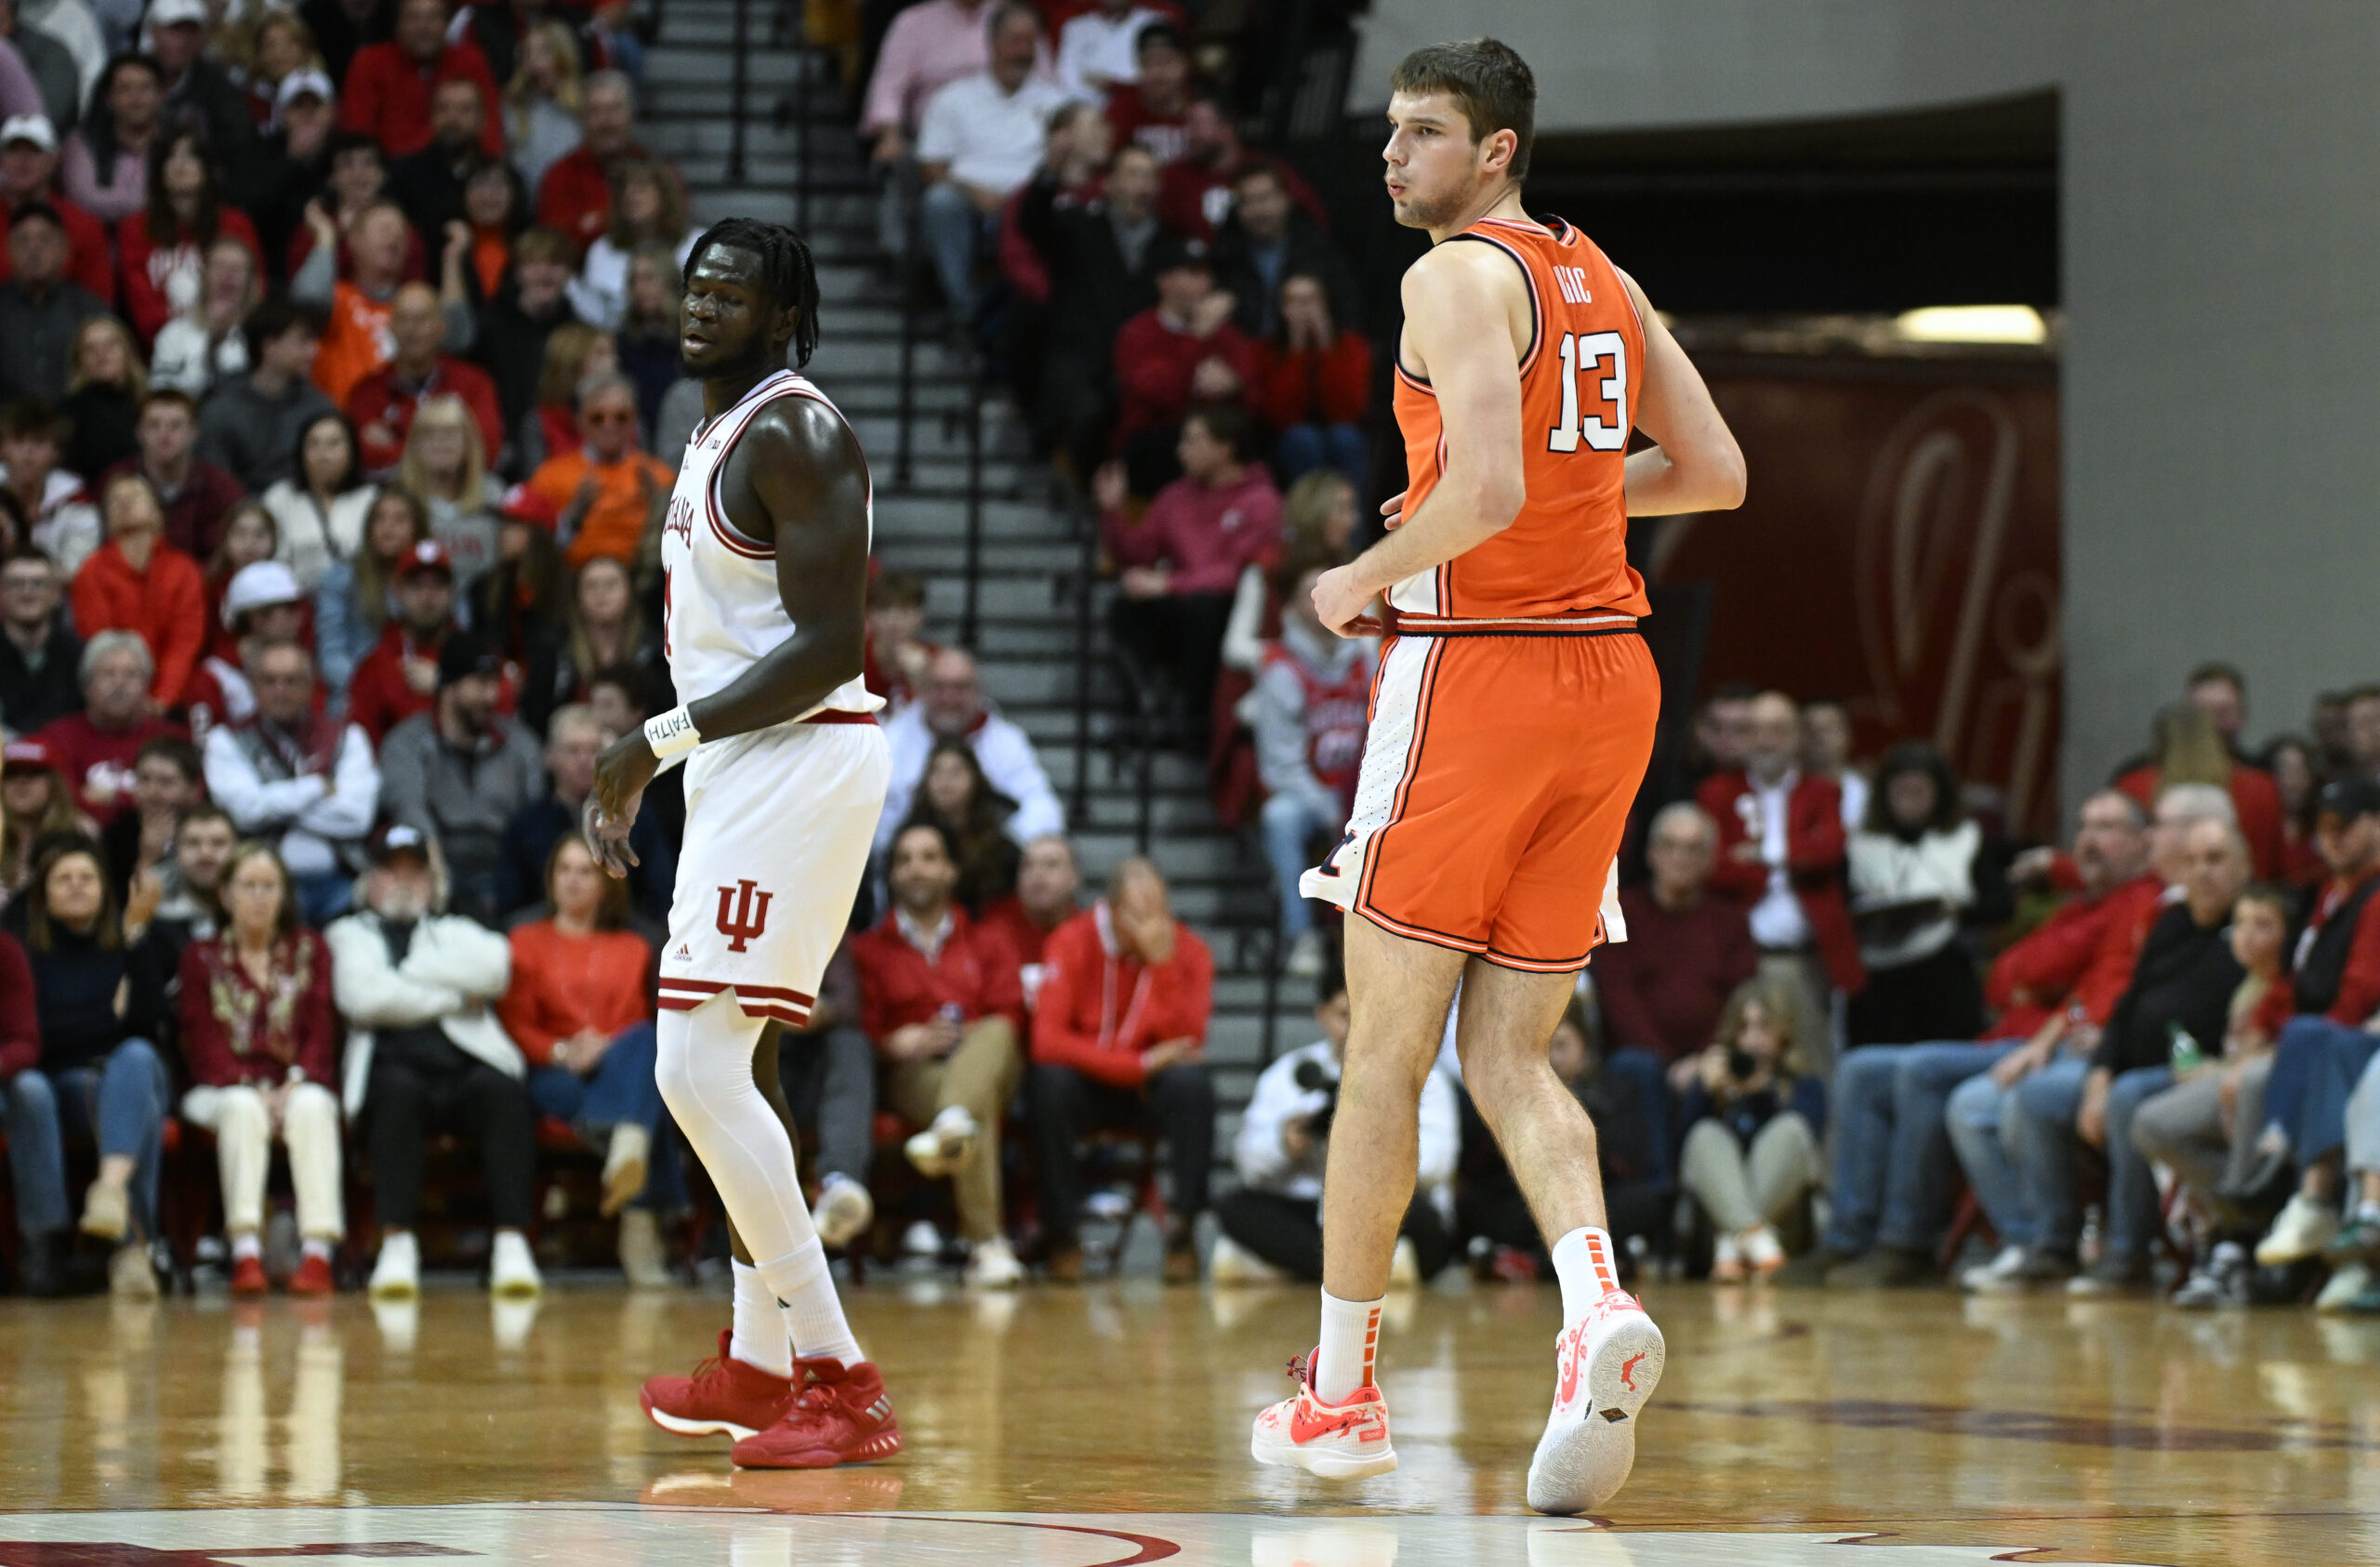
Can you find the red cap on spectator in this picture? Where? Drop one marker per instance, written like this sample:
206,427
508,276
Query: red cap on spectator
427,556
27,753
520,504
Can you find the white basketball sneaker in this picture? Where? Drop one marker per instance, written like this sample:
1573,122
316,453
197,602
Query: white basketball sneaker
1336,1441
1606,1367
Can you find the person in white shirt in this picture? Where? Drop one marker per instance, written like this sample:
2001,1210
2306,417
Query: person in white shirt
1271,1228
1101,49
1911,872
982,138
950,707
295,779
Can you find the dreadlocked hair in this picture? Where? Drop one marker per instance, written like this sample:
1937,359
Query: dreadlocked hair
786,271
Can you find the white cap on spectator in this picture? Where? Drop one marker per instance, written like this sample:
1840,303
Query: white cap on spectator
34,128
298,83
254,586
166,13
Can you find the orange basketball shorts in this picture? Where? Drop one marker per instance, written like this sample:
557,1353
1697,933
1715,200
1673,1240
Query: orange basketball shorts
1497,779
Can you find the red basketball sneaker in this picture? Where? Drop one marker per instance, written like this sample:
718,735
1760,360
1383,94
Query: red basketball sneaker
843,1417
724,1397
247,1276
1606,1368
1336,1441
314,1277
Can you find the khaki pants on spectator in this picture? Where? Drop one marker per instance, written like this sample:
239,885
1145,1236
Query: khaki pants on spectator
980,1074
243,1128
1740,1188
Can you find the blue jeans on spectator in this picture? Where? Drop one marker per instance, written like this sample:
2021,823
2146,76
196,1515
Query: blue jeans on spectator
1290,824
1893,1158
1303,448
1650,1077
2315,1068
2132,1214
620,1091
1981,1118
953,229
120,1100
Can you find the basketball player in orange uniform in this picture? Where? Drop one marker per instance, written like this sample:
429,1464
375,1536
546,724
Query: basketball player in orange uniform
1511,723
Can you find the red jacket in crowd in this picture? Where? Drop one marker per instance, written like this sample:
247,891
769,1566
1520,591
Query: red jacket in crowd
1154,364
1133,123
1194,199
1303,387
97,762
564,983
148,268
2049,966
379,697
237,1032
1661,989
575,196
90,260
1815,847
387,95
975,972
1204,536
20,1023
2254,797
1007,916
167,604
382,406
1099,1010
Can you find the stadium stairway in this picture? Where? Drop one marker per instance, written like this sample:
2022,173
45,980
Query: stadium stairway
1032,536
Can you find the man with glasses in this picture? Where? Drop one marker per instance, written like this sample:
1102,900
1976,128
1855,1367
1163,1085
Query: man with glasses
609,490
950,707
293,777
38,654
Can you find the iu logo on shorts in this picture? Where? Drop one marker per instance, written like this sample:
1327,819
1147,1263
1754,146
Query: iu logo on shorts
742,914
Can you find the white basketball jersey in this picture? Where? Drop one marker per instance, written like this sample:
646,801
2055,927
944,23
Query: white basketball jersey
721,611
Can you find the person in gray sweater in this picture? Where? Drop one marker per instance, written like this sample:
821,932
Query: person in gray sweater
251,424
460,773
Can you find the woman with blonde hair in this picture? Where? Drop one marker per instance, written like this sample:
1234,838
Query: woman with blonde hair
352,602
445,467
278,44
648,207
2188,748
1754,1119
1317,523
105,381
38,806
573,352
543,101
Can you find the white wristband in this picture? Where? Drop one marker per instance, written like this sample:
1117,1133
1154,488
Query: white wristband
671,733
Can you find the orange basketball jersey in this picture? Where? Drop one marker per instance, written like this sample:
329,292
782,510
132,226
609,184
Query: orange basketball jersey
1566,555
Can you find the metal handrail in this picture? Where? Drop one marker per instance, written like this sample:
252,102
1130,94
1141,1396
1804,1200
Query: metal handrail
968,621
907,275
1086,593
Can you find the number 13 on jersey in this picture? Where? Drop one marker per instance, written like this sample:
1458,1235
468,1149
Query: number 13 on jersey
1583,355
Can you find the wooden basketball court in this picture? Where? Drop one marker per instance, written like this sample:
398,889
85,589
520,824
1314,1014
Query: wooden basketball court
1110,1424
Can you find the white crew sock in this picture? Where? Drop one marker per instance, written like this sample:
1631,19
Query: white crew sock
1582,1260
760,1338
246,1245
317,1246
814,1314
1350,1340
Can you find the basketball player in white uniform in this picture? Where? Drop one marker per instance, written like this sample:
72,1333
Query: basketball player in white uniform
765,559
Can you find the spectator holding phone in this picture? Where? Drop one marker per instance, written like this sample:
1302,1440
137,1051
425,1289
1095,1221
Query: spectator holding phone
1752,1119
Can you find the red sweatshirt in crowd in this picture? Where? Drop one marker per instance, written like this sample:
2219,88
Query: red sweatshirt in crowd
382,406
1008,917
1154,364
235,1031
148,268
20,1023
1662,987
167,604
563,983
2036,974
1099,1010
97,762
2132,909
195,513
379,697
2254,797
575,198
1203,535
975,971
90,260
387,95
1333,385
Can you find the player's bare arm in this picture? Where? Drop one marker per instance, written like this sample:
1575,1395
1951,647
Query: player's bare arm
799,476
1467,324
1694,464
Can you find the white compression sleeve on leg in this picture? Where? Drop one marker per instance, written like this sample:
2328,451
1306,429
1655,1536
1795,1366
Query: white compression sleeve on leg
704,1069
759,1339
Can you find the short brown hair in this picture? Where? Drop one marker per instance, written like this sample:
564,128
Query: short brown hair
1488,80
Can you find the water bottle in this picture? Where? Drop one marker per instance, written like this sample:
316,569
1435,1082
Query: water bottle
2187,1056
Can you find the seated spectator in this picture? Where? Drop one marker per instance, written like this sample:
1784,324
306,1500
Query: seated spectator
1200,186
604,626
1313,703
168,780
1825,753
29,172
572,741
356,598
428,181
249,538
1268,240
959,802
399,678
1148,111
2204,1126
1180,562
496,208
295,161
39,656
190,885
979,141
827,1069
261,1042
383,403
897,656
63,524
1890,1196
105,165
198,92
42,313
1781,853
1099,254
648,207
574,197
1317,523
574,351
941,997
96,748
1313,383
1662,989
358,338
1752,1120
2189,749
580,1007
426,1054
354,180
136,581
195,493
445,465
927,46
1097,49
1181,349
1047,882
253,425
950,707
543,101
162,249
1271,1228
460,772
521,598
320,505
40,808
1911,871
100,1001
282,45
646,343
610,492
106,386
1099,1065
387,92
304,784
